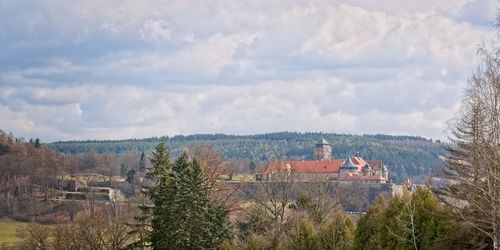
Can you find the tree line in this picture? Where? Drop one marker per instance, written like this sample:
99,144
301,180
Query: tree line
405,156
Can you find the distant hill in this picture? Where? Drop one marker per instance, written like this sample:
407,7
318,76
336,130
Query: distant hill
404,155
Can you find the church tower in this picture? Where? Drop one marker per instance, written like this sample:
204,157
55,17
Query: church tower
322,151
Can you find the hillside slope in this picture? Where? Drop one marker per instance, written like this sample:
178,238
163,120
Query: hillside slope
404,155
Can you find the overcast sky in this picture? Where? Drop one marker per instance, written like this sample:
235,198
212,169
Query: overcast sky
132,69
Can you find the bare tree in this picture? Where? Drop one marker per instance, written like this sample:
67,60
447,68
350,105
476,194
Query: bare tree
274,195
105,229
214,167
473,160
108,166
35,236
322,198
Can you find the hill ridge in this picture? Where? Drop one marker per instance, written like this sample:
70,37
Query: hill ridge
413,156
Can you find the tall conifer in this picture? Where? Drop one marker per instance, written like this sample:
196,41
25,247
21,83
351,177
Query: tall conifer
149,224
183,215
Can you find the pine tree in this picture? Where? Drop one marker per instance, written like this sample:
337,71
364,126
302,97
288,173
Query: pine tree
148,226
199,222
162,195
37,143
183,215
142,163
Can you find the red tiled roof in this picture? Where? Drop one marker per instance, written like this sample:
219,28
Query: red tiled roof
374,163
359,162
324,166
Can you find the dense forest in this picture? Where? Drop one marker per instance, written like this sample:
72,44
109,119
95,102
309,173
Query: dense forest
405,156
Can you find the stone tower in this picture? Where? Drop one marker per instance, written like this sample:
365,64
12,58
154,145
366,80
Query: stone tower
322,151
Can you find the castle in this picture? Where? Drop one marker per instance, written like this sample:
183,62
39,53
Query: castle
351,170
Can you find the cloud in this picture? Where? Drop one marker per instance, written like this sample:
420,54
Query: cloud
103,111
155,31
217,52
352,34
121,69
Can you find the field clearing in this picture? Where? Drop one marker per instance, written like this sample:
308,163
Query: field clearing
243,177
8,231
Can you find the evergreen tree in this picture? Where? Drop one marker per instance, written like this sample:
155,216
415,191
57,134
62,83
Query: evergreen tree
142,163
337,233
303,236
182,215
37,143
199,222
369,227
410,221
130,176
149,224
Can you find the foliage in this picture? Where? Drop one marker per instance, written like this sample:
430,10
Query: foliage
367,234
337,232
404,155
227,245
254,243
303,236
183,215
412,221
130,176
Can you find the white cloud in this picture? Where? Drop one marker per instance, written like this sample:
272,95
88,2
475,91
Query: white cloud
120,69
216,52
131,111
155,31
349,30
351,33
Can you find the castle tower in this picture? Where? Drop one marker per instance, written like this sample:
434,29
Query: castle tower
322,151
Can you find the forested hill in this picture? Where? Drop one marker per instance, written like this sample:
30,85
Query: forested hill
404,155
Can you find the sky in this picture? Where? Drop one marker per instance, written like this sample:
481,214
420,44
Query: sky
88,69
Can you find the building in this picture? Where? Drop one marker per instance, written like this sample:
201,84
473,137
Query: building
322,151
324,168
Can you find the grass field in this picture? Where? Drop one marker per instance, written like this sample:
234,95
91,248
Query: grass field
8,231
243,177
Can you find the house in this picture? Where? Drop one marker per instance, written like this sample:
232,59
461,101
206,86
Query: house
354,169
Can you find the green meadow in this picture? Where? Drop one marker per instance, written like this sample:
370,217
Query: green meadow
8,230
